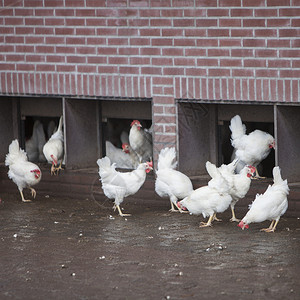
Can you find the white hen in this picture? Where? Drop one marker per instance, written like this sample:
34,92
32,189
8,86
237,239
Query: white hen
117,185
23,173
250,148
239,184
141,141
170,182
208,200
268,206
54,148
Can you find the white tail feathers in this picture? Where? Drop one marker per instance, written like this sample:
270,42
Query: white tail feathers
237,128
211,169
103,163
14,153
276,175
166,158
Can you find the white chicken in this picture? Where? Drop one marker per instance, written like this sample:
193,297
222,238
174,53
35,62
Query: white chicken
23,173
208,200
170,182
120,157
135,161
268,206
250,148
117,185
54,149
141,141
239,184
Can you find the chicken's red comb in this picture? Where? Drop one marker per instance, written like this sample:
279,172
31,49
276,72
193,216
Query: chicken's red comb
36,171
137,122
243,225
150,164
124,145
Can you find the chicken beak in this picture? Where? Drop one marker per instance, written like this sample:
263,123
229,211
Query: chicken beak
243,225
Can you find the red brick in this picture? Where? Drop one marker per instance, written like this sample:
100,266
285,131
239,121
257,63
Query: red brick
54,22
242,73
138,22
287,84
238,94
254,43
228,3
45,68
255,63
265,13
266,53
75,41
85,31
289,12
218,72
116,60
254,22
230,43
96,60
85,12
210,89
218,12
204,3
8,66
278,43
172,52
184,61
14,21
206,43
230,22
128,32
295,22
183,22
158,90
117,3
64,31
289,53
279,63
289,32
266,73
95,41
14,39
35,58
245,91
128,13
230,62
160,3
195,72
149,13
163,80
273,91
6,11
242,52
54,3
162,42
223,95
295,95
151,70
44,31
126,51
218,52
289,73
117,22
86,50
295,64
140,41
55,59
5,30
253,3
184,42
44,49
117,41
241,32
169,13
172,32
241,12
204,94
150,51
55,40
195,52
66,68
44,12
173,71
76,59
139,3
195,13
79,85
107,31
25,49
94,22
23,12
207,62
129,70
186,3
161,61
161,23
64,12
64,49
195,32
278,2
207,22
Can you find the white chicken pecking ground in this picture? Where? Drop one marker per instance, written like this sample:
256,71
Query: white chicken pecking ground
268,206
141,141
250,148
239,184
170,182
117,185
54,149
208,200
23,173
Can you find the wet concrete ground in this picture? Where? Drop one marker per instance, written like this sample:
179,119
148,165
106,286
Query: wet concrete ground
62,248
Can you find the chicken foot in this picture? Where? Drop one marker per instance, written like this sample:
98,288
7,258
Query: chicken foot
209,222
56,169
173,205
23,199
216,219
272,226
257,176
233,219
33,192
120,212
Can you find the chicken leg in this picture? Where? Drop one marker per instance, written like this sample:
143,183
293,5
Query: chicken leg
33,192
272,226
257,176
215,218
209,222
233,219
23,199
120,212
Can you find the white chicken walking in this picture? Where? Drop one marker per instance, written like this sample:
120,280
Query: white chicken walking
250,148
208,200
141,141
54,149
170,182
268,206
23,173
117,185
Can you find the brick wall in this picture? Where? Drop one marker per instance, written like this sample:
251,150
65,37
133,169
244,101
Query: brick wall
164,49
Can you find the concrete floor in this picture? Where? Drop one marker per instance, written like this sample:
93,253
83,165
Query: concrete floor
63,248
